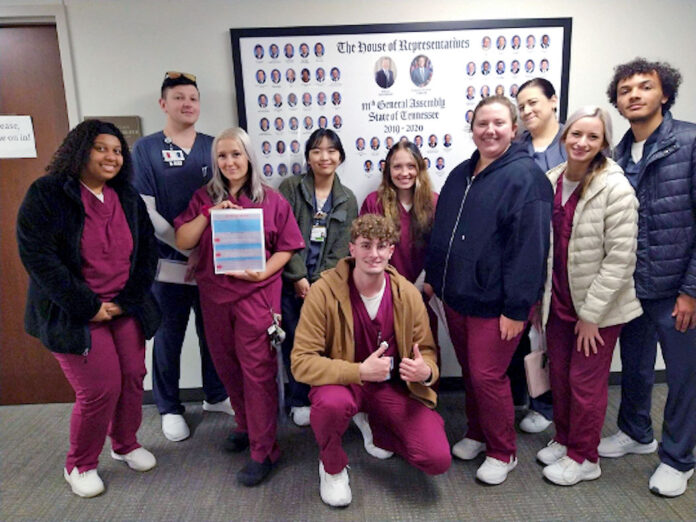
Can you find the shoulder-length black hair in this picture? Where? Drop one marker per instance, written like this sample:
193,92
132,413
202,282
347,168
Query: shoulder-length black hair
315,139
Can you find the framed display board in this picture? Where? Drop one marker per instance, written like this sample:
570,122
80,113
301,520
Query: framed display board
377,84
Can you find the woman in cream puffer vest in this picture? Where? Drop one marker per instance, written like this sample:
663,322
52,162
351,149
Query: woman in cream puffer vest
589,292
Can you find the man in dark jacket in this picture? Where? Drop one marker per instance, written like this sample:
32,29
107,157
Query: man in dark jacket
658,155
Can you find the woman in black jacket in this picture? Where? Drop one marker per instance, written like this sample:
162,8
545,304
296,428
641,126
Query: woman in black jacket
486,261
87,243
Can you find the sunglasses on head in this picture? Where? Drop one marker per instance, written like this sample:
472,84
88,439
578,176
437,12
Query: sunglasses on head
173,75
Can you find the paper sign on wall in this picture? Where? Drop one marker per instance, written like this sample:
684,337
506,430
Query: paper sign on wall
17,137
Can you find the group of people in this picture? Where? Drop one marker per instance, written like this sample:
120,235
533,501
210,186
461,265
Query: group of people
540,230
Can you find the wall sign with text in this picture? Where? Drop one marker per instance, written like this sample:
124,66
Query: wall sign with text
377,84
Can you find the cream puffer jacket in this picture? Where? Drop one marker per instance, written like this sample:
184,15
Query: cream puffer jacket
602,250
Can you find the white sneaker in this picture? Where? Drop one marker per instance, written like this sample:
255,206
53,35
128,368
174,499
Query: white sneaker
86,484
219,407
494,471
334,489
669,482
534,422
174,427
300,415
360,420
620,444
139,459
567,472
468,449
551,453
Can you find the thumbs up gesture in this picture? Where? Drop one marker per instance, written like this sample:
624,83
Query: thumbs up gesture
376,368
415,369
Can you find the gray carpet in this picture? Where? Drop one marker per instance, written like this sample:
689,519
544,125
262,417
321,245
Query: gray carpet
194,479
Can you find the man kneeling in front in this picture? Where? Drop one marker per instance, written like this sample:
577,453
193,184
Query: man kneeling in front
364,345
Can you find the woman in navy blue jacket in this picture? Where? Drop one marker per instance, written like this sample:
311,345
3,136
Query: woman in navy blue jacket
487,262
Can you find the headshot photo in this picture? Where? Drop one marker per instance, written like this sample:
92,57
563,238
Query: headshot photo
421,70
277,100
296,169
337,122
544,65
486,42
321,98
516,42
360,144
273,51
279,124
293,123
306,99
280,147
531,41
336,98
319,49
320,74
367,166
267,170
418,141
290,75
440,163
260,76
292,99
529,66
486,68
305,76
289,50
275,76
304,50
322,122
545,41
263,101
500,43
470,92
264,124
294,146
335,74
384,72
308,123
515,66
266,148
513,90
374,143
471,68
499,90
382,163
500,67
485,91
432,141
447,141
258,51
282,169
427,162
388,142
403,139
469,115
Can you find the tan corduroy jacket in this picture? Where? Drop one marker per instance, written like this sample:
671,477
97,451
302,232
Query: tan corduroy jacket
324,349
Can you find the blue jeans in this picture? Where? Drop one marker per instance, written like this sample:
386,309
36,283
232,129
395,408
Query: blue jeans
298,393
638,352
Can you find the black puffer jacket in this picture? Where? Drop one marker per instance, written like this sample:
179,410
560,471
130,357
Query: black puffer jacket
59,302
666,192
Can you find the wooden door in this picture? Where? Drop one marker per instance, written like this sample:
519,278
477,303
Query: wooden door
31,83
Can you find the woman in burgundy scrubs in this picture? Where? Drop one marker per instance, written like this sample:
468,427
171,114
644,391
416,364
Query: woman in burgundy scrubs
240,307
87,243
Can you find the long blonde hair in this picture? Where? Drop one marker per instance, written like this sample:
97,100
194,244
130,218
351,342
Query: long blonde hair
422,210
600,160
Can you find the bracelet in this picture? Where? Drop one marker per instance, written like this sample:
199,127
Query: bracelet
205,211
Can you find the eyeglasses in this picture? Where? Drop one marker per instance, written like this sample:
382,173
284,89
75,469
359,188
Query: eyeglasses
173,75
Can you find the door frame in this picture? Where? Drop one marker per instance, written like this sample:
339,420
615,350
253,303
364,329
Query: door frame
51,14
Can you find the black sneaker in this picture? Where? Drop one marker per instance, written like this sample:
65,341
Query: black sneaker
254,472
236,442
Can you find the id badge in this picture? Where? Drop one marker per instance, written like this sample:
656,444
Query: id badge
175,158
318,234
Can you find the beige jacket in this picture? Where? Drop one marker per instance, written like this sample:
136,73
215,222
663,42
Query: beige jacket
324,349
602,250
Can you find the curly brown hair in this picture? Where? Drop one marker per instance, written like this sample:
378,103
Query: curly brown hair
670,78
373,226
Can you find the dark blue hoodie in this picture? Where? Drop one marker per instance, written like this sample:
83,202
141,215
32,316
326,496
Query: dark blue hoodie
490,239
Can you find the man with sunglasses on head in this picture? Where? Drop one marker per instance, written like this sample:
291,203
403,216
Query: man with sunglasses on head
169,166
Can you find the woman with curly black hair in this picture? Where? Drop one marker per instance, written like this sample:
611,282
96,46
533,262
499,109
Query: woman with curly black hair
87,243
